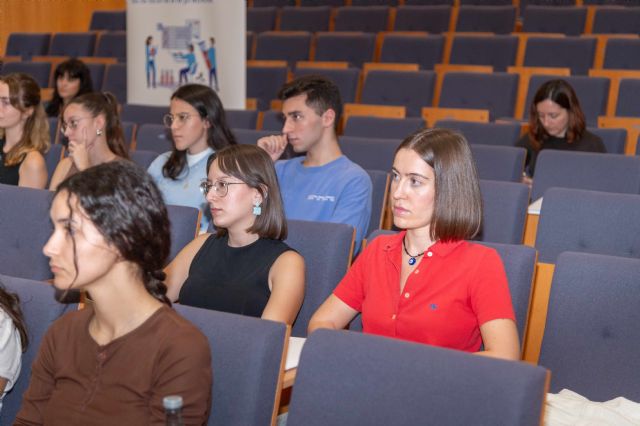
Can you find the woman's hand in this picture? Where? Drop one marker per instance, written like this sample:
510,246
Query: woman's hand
79,151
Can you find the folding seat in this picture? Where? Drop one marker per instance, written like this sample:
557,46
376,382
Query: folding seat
247,356
432,19
143,158
185,224
112,45
504,134
622,54
272,121
52,158
278,45
526,3
616,20
73,44
568,20
355,48
241,118
380,181
371,19
493,92
115,81
498,51
493,162
412,90
592,316
143,114
576,53
310,19
592,93
40,71
346,79
504,211
614,139
370,153
251,136
424,50
261,19
97,75
586,170
128,130
352,378
53,130
327,249
108,20
492,19
153,137
264,82
628,105
40,309
380,127
27,45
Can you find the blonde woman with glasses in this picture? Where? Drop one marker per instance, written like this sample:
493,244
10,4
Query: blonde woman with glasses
198,128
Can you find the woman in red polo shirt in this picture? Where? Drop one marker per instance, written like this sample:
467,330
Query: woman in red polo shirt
427,284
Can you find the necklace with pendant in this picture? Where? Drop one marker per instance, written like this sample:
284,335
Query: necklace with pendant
412,258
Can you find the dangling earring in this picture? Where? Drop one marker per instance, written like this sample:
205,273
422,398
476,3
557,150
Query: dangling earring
257,209
99,132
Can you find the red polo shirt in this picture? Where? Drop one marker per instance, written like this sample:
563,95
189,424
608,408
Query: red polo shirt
455,288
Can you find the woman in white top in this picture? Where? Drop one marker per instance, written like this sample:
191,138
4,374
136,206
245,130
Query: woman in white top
198,128
13,340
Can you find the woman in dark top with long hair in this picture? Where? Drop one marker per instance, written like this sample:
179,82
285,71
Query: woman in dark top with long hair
13,340
73,79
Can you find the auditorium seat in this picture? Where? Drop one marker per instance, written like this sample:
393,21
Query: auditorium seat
353,47
504,134
380,127
576,53
568,20
432,19
40,71
310,19
370,153
493,162
370,19
616,20
108,20
73,44
27,45
412,90
153,137
498,51
115,81
261,19
143,114
491,19
346,79
422,49
622,54
112,45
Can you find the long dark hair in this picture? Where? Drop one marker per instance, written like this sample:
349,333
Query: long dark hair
10,303
74,68
209,107
560,92
125,205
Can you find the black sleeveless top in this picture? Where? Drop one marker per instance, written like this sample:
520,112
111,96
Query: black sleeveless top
9,175
231,279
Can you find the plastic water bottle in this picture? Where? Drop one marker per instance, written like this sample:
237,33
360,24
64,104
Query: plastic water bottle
173,410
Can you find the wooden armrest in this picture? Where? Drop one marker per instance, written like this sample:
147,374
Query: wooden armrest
538,306
614,77
432,115
631,124
266,63
323,64
388,111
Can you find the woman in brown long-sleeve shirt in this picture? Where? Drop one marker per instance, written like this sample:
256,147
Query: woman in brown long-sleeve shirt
114,361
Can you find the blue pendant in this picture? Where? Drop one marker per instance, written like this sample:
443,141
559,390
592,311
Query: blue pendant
412,261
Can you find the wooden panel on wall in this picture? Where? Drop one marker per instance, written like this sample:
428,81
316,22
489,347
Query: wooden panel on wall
49,15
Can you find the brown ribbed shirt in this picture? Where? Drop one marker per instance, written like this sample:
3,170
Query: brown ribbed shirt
75,381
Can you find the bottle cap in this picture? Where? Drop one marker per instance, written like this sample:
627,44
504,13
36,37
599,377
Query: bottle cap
172,402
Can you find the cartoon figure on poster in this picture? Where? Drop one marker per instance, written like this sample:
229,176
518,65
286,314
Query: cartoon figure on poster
150,52
210,58
192,65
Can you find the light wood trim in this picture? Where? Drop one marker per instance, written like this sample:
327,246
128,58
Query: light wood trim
251,104
388,66
453,17
449,36
539,304
588,25
46,94
278,393
525,74
631,124
266,63
614,77
289,378
601,46
442,69
386,111
531,229
432,115
7,59
522,43
323,64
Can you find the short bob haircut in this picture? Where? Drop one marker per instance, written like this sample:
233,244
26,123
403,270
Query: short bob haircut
75,69
322,94
253,166
560,92
457,211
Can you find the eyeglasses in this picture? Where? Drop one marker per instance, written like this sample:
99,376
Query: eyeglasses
220,187
5,101
72,124
180,118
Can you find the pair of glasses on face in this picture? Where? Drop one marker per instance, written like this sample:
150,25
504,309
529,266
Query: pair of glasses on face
5,101
220,187
179,119
71,124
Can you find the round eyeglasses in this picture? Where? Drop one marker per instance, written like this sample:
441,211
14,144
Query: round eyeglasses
220,187
179,119
71,124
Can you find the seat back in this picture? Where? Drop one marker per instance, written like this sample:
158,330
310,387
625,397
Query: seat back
588,222
622,54
495,92
424,50
250,137
433,19
277,45
612,20
52,158
153,137
247,360
411,89
586,170
313,19
568,20
346,80
379,195
504,211
614,139
143,158
261,19
591,338
40,71
185,224
241,118
354,378
498,51
24,229
263,83
143,114
628,105
108,20
487,19
97,75
381,127
576,53
27,45
324,268
115,81
503,134
355,48
505,163
113,45
368,153
73,44
370,19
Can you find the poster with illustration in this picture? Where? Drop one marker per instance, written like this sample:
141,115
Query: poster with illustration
175,42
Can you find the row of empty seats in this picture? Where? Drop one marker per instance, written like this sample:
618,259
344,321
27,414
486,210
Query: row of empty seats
75,44
523,3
